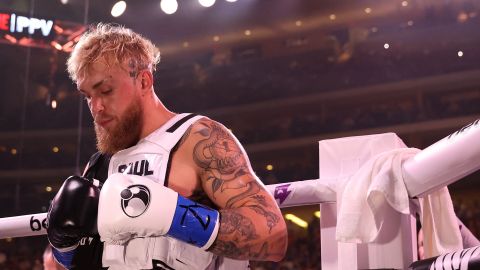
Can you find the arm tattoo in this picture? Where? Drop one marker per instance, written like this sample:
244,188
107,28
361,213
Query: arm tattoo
218,151
252,188
223,163
239,229
237,225
260,199
272,218
227,248
225,168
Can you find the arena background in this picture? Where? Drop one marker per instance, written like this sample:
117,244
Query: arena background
281,74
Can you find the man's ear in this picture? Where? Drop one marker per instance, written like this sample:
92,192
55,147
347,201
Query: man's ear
146,80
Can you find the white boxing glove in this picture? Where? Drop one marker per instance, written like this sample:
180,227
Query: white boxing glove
133,206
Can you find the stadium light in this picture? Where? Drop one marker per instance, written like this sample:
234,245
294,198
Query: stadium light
206,3
298,221
118,8
169,6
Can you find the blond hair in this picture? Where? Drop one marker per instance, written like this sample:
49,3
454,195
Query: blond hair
113,44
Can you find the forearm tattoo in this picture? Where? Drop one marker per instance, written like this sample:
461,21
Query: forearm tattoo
241,229
237,225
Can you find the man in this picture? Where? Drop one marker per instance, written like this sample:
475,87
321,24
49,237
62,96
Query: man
178,191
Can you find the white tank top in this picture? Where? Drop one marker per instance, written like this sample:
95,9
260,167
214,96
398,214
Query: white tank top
151,157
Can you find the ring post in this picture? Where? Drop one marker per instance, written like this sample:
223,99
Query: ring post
340,159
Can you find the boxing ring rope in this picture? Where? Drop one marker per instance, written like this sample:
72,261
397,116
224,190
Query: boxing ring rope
438,165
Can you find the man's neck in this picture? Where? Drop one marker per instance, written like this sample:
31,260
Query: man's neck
154,117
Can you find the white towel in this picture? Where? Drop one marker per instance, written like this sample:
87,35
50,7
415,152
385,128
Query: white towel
361,199
439,224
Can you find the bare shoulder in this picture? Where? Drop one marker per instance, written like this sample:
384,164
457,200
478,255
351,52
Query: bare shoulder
198,130
215,147
205,126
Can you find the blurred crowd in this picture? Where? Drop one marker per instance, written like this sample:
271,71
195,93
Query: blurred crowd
250,75
411,54
468,211
22,253
433,107
302,74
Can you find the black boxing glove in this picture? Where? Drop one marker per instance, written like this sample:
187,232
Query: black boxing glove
72,215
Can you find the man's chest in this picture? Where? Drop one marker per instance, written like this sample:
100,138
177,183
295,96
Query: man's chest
175,169
183,177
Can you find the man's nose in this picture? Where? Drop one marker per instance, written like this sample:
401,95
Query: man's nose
96,105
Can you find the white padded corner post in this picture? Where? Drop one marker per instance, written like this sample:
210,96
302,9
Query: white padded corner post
395,247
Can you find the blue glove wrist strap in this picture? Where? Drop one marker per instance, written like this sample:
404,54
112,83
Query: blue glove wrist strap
64,258
192,222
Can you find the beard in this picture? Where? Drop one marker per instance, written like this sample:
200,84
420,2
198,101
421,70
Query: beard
125,133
